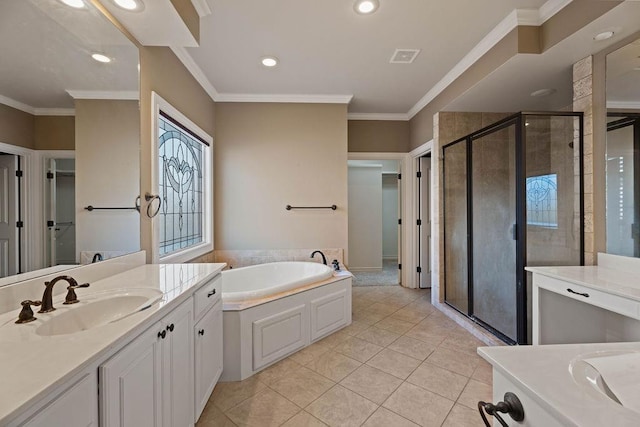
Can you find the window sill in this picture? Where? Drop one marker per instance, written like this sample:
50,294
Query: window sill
187,255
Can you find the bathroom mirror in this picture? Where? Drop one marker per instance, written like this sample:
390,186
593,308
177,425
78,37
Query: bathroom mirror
623,151
69,124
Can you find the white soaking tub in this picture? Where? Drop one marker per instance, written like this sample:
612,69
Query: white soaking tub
273,310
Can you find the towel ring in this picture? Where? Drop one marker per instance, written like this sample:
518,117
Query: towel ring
150,198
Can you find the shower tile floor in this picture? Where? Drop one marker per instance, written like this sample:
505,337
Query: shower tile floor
400,363
388,276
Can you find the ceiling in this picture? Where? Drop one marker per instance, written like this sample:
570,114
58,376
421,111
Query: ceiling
46,50
325,48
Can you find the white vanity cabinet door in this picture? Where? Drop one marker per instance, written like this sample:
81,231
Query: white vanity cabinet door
130,383
78,406
208,355
177,367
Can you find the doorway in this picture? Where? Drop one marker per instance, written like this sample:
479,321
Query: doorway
374,222
60,211
424,221
10,215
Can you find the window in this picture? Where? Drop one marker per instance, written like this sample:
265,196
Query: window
542,200
183,178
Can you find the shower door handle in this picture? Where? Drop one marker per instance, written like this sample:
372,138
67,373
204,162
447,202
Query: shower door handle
514,231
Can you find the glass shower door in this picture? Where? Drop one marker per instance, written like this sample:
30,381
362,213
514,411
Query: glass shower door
494,245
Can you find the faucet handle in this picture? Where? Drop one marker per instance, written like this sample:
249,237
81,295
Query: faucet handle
26,314
71,297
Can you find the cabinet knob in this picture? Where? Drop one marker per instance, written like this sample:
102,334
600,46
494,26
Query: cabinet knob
170,327
162,334
212,293
201,332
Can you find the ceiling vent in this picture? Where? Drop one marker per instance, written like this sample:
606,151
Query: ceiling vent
404,56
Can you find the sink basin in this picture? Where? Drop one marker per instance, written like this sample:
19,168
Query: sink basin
106,307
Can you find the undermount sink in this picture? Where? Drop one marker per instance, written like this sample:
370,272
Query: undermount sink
106,307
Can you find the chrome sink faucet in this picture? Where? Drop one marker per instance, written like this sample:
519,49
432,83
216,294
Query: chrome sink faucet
324,259
71,298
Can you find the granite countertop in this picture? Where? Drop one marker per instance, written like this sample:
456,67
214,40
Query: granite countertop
613,281
544,372
32,365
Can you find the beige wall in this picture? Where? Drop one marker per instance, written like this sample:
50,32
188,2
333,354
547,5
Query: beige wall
189,15
271,155
55,132
161,71
16,127
107,173
378,136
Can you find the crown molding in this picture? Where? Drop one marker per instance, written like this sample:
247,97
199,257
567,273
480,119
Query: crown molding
202,7
625,105
195,71
508,24
285,98
17,105
378,116
55,112
128,95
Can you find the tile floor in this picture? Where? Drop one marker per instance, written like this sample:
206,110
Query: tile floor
400,363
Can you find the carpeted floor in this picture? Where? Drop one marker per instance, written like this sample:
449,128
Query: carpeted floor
387,277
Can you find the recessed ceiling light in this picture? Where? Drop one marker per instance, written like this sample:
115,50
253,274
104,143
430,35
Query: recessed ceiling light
269,61
100,57
130,5
365,7
543,92
76,4
603,36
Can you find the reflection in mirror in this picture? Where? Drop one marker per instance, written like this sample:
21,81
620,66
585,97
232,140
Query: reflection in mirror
69,127
623,151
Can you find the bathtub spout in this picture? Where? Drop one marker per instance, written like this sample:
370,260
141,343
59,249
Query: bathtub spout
324,259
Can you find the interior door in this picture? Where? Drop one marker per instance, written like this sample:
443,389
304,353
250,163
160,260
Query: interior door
51,212
8,217
425,222
399,229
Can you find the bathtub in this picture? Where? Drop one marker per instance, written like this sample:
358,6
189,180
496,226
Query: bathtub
272,310
263,280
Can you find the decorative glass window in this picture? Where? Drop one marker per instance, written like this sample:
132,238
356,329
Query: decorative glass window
542,200
183,227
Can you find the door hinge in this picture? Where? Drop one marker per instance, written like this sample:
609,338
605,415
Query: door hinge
49,175
419,269
399,176
19,174
399,221
419,174
19,224
399,266
50,224
419,222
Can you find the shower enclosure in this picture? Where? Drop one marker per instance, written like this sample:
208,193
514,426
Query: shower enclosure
513,197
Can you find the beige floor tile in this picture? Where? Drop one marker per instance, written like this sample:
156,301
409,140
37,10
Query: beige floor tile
412,347
358,349
335,338
277,370
371,383
394,325
460,363
419,405
461,416
384,308
427,335
342,407
228,395
264,409
304,419
355,327
464,342
367,317
385,418
334,366
307,354
213,417
378,336
302,386
394,363
483,373
474,392
440,381
409,315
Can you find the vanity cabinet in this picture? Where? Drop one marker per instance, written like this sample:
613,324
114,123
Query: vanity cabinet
149,382
208,355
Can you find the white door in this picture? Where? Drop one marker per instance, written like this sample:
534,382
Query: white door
51,212
399,229
208,355
425,222
8,217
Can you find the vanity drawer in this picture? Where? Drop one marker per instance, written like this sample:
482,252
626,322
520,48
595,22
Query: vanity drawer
207,296
614,303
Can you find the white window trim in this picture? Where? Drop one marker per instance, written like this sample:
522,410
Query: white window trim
158,103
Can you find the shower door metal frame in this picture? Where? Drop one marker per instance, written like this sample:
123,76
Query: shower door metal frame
519,120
